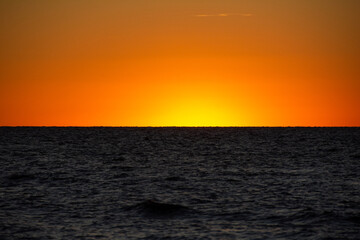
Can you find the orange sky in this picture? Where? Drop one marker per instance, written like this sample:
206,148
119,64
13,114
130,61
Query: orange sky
180,63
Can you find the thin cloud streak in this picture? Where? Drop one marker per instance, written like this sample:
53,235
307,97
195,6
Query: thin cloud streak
225,15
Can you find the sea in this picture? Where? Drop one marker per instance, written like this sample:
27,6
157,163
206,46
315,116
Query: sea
179,183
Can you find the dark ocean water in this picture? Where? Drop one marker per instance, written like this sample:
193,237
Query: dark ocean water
180,183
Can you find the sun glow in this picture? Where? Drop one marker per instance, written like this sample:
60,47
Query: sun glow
194,104
194,112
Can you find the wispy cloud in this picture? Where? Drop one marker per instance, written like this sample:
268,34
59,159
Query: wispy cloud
225,15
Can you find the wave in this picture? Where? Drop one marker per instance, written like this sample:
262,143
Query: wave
154,208
21,176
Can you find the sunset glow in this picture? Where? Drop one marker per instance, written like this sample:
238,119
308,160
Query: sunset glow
180,63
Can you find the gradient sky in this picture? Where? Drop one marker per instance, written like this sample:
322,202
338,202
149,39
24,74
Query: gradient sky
180,63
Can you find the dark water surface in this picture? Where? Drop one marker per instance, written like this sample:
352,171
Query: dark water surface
180,183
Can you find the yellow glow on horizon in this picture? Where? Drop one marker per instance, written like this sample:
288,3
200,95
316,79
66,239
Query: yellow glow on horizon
194,99
194,112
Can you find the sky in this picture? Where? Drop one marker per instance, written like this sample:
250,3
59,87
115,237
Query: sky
179,63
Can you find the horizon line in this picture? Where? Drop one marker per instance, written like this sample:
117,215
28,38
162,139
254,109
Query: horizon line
99,126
